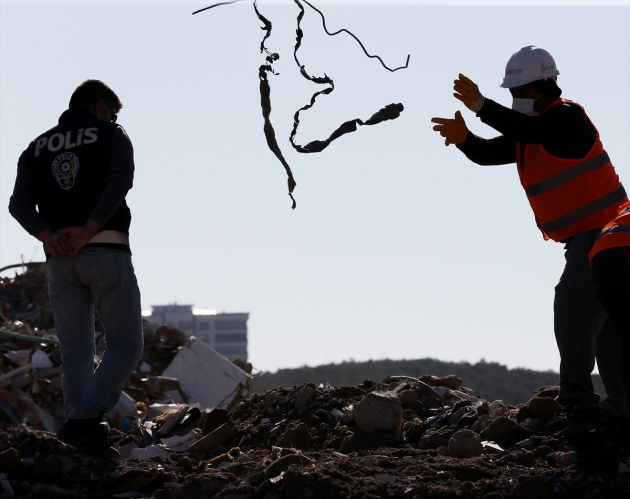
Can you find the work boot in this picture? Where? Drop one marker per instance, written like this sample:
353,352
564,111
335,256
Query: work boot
88,436
578,410
613,407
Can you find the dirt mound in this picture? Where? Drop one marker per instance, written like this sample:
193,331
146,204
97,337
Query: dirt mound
402,437
305,442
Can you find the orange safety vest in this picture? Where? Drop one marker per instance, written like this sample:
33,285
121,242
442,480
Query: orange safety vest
615,234
569,196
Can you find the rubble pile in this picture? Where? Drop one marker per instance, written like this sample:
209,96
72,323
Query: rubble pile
402,437
24,298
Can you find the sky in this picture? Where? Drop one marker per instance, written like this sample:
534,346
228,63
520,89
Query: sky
399,247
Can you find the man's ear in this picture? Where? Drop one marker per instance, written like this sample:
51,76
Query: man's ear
99,108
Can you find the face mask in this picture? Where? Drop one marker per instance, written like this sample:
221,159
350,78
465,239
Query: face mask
525,106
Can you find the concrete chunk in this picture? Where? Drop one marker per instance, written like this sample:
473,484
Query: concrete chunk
379,411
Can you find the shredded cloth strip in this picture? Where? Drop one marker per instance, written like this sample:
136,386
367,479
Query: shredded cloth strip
388,112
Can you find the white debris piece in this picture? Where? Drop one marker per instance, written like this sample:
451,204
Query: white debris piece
209,378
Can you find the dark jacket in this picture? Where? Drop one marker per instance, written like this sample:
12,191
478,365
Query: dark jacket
80,169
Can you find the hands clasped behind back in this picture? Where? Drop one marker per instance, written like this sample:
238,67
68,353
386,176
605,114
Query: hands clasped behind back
67,241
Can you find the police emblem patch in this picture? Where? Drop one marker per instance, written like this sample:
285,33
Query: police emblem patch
65,168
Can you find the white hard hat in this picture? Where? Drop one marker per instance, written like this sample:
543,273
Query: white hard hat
527,65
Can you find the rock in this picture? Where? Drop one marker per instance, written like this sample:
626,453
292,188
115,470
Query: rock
543,407
504,431
407,397
379,411
451,381
298,437
498,408
304,397
465,443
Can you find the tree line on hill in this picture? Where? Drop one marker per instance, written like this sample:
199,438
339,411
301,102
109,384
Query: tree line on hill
489,380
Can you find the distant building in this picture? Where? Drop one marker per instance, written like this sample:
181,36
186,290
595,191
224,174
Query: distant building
225,332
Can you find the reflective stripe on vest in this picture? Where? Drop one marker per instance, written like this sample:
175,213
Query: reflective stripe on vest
568,174
615,229
616,196
615,234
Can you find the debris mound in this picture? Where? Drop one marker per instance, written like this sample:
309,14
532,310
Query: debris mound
400,437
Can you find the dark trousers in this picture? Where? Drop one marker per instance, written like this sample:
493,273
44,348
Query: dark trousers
611,275
583,332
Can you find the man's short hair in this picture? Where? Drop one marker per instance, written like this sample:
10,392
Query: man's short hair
90,92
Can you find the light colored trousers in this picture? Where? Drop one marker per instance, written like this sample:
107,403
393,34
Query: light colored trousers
101,279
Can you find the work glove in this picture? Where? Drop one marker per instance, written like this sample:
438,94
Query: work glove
468,92
453,130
